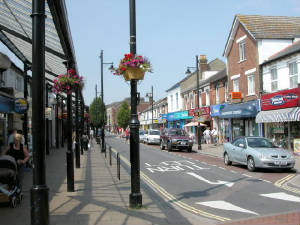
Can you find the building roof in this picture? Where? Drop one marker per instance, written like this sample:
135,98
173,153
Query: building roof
293,48
265,27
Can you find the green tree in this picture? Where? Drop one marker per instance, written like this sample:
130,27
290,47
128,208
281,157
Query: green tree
96,112
123,116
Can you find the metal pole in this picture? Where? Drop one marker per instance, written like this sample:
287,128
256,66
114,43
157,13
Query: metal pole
69,153
102,108
47,122
62,124
152,105
56,123
198,127
77,150
135,197
39,192
96,116
82,123
25,121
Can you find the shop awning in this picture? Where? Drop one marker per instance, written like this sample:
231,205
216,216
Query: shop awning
279,115
194,124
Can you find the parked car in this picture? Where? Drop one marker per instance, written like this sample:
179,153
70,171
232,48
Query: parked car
152,137
175,138
257,152
142,135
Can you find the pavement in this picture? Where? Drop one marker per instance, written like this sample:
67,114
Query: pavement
291,181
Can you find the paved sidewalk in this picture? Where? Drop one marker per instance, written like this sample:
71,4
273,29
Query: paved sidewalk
217,151
100,198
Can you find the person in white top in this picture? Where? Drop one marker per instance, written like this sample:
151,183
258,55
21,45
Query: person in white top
206,135
214,134
91,134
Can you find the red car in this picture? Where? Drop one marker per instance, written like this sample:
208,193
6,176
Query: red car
175,138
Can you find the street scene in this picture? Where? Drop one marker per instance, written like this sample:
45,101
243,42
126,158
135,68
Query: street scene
157,112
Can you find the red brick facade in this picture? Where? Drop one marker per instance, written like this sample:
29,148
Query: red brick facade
236,67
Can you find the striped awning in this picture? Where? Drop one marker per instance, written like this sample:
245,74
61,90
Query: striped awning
279,115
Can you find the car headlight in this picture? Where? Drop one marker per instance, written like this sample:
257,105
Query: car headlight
291,157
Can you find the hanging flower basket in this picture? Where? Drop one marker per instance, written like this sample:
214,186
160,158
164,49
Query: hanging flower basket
68,82
133,67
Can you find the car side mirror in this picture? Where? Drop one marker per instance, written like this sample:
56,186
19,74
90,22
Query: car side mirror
241,145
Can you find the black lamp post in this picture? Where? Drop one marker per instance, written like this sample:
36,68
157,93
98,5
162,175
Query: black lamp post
102,98
135,197
39,192
77,124
25,121
198,127
56,123
47,120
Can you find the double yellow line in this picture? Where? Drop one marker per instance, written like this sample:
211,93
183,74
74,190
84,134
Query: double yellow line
172,199
280,183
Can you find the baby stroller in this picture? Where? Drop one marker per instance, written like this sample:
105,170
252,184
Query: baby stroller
9,187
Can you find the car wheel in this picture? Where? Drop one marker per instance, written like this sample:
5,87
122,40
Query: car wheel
169,146
250,164
227,162
162,147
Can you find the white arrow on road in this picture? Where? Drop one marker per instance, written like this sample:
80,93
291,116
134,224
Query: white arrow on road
219,182
282,196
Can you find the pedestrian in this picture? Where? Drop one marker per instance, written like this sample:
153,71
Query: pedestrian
11,134
206,135
85,141
92,134
214,134
127,134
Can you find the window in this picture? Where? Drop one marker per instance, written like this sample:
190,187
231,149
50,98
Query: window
186,102
200,99
274,80
171,102
177,101
251,90
226,91
293,72
207,97
217,95
191,100
236,85
242,50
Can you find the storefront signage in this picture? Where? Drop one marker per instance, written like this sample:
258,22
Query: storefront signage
178,116
247,109
21,105
199,111
215,110
236,95
281,99
6,104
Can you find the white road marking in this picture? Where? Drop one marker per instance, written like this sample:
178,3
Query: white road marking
267,181
232,171
282,196
225,206
219,182
197,160
202,162
147,164
246,175
222,168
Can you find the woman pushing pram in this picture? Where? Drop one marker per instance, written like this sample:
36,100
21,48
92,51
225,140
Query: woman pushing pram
12,163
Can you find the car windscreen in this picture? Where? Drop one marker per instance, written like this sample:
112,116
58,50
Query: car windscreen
260,143
141,132
154,132
177,133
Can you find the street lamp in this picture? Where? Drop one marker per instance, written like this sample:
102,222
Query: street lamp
198,127
135,197
150,96
103,107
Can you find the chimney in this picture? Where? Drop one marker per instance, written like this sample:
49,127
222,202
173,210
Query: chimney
203,66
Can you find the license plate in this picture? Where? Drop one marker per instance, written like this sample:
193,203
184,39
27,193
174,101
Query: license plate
183,143
284,163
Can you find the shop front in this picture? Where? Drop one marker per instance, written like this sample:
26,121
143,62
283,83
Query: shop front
178,119
240,119
6,108
281,115
222,125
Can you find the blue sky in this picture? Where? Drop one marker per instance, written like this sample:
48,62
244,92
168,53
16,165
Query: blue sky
169,32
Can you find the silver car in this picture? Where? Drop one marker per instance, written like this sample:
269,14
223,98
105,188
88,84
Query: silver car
142,136
257,152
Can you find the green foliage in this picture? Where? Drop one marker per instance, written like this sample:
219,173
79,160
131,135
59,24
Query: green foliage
96,112
123,116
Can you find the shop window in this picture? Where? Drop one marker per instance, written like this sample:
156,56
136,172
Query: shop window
242,51
274,79
251,84
293,73
236,85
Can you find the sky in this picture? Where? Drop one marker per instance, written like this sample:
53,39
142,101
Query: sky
169,32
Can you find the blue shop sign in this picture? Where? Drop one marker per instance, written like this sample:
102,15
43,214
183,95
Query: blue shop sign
6,104
182,115
247,109
215,110
21,105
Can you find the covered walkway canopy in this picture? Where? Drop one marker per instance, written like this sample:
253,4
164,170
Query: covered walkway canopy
16,34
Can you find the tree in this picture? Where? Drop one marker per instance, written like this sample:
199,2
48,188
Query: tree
123,116
96,112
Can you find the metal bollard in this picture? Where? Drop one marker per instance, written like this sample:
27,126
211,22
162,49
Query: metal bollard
118,165
109,155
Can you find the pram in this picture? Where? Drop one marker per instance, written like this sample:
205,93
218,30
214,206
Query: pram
9,186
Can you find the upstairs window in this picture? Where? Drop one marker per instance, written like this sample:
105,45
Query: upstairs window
226,91
207,102
171,102
177,105
236,85
293,73
251,84
217,95
242,50
274,79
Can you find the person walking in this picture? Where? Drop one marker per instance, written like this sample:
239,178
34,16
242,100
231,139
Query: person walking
206,135
127,135
214,134
92,134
